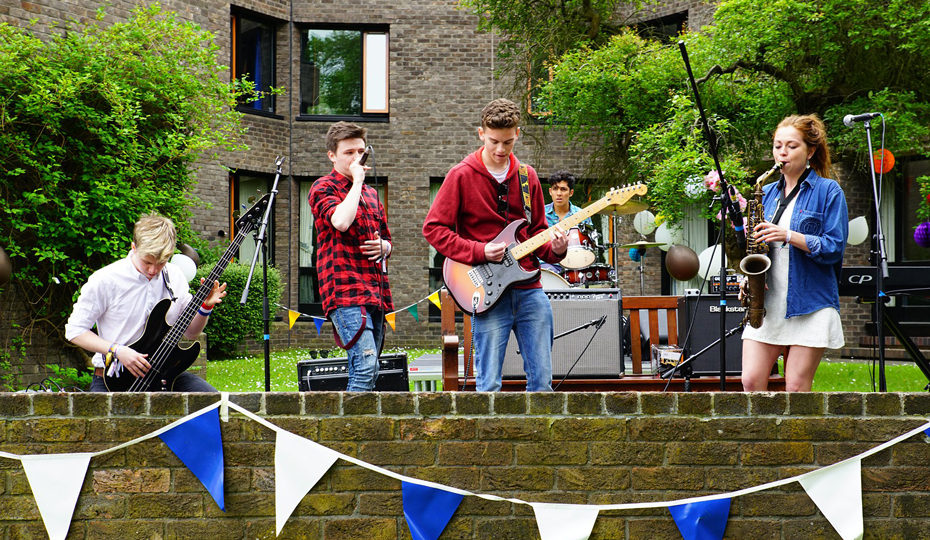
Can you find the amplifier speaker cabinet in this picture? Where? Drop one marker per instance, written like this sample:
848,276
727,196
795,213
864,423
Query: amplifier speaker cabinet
707,330
332,374
572,308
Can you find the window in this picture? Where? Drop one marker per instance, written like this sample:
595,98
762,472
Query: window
308,286
247,189
253,51
344,72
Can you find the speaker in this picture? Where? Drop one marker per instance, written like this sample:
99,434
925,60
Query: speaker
706,330
572,308
332,374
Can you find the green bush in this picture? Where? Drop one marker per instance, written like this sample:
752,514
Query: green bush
99,124
231,322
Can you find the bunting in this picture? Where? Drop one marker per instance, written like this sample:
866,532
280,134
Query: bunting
434,298
428,510
413,311
292,317
56,481
705,520
390,320
837,492
199,446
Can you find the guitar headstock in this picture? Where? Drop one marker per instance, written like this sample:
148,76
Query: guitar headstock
253,214
625,193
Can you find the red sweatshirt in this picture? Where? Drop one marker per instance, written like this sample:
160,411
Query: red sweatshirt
463,218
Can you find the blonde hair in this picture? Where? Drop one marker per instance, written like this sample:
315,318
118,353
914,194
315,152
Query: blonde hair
155,235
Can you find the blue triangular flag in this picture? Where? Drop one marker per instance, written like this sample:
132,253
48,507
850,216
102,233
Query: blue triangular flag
428,510
198,444
927,431
705,520
319,324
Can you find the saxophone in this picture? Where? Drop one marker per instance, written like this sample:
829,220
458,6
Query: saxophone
756,263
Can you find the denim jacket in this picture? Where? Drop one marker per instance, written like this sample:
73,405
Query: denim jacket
820,215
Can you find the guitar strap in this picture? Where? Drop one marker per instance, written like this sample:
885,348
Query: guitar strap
357,335
525,187
164,276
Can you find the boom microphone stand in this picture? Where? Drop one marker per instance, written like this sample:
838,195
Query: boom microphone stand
261,242
726,203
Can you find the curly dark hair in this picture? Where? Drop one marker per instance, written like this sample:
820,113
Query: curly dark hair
562,176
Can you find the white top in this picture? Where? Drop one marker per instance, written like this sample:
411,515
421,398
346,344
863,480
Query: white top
820,329
501,176
118,299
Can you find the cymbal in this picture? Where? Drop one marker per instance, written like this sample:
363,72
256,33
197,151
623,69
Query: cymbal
629,207
642,244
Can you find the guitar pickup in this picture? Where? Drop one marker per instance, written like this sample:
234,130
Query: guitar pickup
475,278
508,259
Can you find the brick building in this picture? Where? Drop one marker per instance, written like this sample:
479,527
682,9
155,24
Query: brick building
420,75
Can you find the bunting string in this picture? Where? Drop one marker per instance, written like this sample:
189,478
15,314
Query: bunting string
293,315
697,517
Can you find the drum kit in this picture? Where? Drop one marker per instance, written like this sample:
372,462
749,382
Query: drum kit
580,267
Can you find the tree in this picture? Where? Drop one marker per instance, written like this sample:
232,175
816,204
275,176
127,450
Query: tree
628,102
98,126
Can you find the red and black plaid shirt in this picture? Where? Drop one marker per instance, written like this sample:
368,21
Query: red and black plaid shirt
347,278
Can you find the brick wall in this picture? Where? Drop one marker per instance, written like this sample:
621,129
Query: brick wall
576,448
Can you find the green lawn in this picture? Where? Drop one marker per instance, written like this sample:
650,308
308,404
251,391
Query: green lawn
247,374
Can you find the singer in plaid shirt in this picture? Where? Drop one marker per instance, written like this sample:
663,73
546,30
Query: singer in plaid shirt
353,240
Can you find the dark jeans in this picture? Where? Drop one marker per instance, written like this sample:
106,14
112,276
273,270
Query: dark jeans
186,382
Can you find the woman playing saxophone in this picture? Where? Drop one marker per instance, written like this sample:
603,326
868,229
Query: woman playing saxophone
805,227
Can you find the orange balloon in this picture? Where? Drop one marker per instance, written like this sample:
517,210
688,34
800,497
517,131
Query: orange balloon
877,163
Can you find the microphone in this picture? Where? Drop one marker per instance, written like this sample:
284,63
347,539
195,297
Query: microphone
365,155
736,216
851,119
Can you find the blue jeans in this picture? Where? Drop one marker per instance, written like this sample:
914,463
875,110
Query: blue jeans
529,314
363,356
185,382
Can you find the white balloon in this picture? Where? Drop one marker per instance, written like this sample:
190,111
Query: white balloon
668,236
644,222
858,231
186,264
710,266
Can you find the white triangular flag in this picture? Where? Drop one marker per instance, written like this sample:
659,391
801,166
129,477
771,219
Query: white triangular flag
565,521
56,481
298,465
837,492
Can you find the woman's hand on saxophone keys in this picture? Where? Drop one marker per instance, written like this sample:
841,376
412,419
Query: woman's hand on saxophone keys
769,232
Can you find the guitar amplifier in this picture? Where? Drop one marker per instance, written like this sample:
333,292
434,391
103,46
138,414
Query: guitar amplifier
332,374
732,284
603,348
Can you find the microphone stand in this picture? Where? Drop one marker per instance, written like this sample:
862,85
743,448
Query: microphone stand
881,268
726,204
261,242
685,365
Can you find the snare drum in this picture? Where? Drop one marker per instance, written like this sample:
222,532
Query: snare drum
581,248
551,280
594,274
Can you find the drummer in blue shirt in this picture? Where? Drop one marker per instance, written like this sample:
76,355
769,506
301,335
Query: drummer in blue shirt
561,189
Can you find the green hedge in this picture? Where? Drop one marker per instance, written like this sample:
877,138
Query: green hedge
231,322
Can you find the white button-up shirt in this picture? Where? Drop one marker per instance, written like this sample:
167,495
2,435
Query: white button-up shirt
118,299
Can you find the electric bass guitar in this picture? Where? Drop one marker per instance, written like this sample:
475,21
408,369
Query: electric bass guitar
477,288
160,340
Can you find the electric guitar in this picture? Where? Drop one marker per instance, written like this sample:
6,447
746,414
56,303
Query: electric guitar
477,288
160,340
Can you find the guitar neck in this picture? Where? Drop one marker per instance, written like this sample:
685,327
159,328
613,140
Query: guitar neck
540,239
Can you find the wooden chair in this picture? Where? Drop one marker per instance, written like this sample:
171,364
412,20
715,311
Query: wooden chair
654,306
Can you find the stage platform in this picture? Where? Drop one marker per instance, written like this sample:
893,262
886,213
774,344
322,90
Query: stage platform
426,373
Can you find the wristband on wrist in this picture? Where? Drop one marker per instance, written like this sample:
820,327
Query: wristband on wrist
788,237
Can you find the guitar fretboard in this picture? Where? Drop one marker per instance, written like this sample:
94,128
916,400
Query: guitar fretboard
615,196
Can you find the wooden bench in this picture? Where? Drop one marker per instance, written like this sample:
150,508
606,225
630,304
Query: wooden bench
656,308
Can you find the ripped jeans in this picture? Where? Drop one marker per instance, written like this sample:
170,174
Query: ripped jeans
363,356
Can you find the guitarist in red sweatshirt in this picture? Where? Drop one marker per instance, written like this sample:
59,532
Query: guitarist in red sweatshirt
478,199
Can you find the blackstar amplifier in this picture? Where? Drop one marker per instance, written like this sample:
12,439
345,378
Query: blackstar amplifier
706,330
332,374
